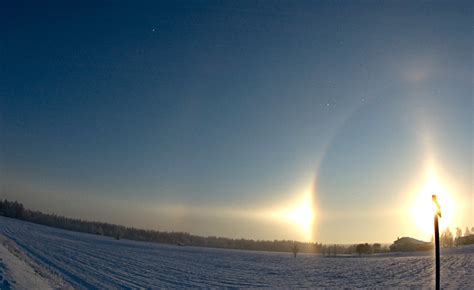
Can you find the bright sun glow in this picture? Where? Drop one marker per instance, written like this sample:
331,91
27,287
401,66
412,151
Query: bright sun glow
302,215
423,208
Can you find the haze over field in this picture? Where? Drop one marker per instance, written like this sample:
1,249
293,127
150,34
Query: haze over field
331,122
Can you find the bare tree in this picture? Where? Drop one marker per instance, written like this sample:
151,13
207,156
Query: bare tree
323,250
363,249
446,238
295,249
467,232
458,235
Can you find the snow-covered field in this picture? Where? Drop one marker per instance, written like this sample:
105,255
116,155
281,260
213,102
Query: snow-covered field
90,261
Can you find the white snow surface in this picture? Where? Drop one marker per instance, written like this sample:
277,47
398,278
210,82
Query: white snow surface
16,273
97,262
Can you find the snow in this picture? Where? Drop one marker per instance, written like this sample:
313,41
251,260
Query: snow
91,261
18,271
18,274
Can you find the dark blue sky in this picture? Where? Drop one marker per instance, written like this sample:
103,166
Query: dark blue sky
221,109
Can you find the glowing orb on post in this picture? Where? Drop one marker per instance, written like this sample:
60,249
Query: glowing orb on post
423,209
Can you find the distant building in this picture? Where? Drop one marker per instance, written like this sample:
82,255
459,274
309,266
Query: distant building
466,240
407,244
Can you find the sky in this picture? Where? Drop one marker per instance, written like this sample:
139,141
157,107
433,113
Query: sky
328,121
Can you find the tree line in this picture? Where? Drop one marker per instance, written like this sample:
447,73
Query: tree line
448,239
14,209
362,248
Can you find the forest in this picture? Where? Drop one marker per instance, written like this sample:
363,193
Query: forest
14,209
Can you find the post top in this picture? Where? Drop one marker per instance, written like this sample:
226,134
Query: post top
438,208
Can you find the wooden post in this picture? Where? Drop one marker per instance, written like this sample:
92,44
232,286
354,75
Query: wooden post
436,237
436,229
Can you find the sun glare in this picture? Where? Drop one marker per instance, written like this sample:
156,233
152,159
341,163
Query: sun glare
302,215
423,208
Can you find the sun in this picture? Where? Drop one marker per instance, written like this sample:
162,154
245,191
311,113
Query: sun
302,215
423,208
